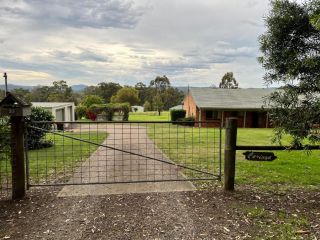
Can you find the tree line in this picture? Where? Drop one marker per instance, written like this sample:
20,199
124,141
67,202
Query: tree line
158,95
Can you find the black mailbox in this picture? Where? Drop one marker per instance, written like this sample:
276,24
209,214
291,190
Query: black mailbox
13,106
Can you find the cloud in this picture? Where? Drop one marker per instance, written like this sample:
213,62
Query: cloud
80,56
78,14
89,41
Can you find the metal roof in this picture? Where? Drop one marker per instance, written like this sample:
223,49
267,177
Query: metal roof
51,104
222,98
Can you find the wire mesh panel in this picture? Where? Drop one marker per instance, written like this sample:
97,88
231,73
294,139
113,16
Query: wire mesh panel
5,163
118,152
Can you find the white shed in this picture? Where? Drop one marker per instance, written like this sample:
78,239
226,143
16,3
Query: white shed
62,111
137,108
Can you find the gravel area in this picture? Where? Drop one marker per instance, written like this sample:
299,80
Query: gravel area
202,214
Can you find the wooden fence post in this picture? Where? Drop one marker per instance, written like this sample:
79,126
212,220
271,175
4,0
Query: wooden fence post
230,153
18,164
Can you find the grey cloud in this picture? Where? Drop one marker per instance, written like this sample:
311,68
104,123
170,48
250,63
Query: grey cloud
84,55
78,14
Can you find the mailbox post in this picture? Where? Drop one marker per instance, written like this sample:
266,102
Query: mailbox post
16,109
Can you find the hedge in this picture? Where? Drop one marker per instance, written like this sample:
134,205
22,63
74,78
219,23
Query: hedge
177,114
108,110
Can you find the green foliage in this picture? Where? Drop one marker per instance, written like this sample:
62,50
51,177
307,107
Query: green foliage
126,95
157,103
91,99
187,121
108,110
104,89
147,106
177,114
81,111
291,57
228,81
160,83
58,92
5,138
22,94
35,138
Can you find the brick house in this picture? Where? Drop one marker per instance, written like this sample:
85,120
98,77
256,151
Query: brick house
217,104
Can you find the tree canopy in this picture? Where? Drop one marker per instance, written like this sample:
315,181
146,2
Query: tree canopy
228,81
291,58
126,95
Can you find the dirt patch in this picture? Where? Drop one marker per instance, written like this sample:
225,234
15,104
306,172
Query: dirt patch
204,214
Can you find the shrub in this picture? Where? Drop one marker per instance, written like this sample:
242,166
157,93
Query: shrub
5,138
81,111
35,139
188,121
89,100
108,110
177,114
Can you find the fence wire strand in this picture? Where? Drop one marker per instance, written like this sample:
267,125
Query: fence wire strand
120,152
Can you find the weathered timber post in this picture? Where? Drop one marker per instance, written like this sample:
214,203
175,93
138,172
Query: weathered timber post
17,153
230,153
16,109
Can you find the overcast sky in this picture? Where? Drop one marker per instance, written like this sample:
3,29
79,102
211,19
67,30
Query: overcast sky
89,41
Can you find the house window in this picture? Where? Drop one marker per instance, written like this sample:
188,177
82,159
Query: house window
210,115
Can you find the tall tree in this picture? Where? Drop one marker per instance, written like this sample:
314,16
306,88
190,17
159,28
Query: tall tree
143,91
160,83
291,57
60,92
107,89
126,94
228,81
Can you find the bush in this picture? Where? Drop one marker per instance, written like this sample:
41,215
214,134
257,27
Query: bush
89,100
35,137
81,112
188,121
108,110
5,138
177,114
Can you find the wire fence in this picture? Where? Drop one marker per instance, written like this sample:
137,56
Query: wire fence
5,156
120,152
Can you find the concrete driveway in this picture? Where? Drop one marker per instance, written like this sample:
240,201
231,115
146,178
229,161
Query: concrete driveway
113,171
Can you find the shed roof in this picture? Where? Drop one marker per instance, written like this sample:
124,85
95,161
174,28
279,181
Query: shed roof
51,104
221,98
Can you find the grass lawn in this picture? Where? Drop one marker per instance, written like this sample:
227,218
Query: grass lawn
56,163
149,116
291,168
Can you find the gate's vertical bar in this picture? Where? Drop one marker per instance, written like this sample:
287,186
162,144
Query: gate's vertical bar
18,168
27,158
230,153
220,150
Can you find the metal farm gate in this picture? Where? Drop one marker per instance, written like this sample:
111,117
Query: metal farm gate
122,152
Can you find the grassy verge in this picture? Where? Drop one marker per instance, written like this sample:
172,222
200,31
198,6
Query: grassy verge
57,163
149,116
190,145
276,224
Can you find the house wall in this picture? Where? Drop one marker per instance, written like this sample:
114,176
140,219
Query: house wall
190,106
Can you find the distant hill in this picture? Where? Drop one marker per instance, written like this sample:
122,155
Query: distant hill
13,86
76,88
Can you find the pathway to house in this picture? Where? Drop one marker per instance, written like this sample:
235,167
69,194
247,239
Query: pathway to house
107,165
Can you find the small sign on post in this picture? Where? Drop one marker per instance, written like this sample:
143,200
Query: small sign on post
260,156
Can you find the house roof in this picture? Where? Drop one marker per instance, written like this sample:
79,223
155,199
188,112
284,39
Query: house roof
51,104
178,107
221,98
